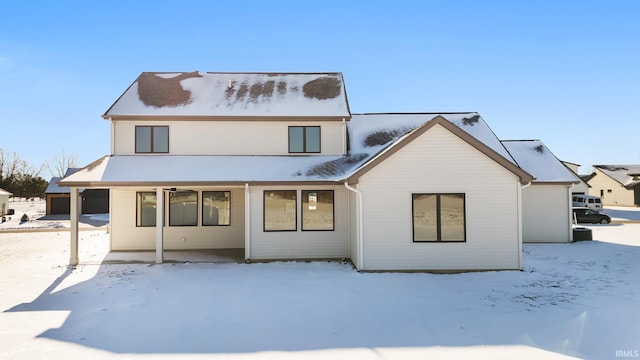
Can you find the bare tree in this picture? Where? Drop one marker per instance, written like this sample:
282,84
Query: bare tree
12,165
59,164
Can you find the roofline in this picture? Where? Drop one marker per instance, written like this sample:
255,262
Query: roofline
524,176
551,182
237,183
598,169
419,113
227,118
105,116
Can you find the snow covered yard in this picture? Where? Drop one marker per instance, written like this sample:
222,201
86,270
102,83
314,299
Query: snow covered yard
580,300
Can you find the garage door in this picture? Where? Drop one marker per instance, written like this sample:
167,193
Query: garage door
60,206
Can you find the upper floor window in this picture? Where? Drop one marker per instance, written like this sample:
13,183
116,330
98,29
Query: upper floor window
152,139
304,139
438,217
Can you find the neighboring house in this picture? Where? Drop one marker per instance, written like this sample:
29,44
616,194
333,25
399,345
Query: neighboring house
277,165
616,184
546,204
4,202
93,201
582,187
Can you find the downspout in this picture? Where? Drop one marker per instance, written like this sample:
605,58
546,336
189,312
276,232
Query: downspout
344,137
520,188
247,222
359,228
570,212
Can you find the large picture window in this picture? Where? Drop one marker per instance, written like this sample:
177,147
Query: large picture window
152,139
317,210
280,210
146,203
439,217
304,139
183,208
216,208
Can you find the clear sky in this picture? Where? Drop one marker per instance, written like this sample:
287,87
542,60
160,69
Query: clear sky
564,72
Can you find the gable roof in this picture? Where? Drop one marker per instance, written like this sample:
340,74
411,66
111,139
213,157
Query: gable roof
54,188
536,159
211,94
624,174
489,145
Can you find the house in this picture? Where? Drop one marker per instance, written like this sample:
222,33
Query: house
546,203
93,201
616,184
4,202
276,164
582,187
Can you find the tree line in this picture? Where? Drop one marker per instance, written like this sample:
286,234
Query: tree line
24,180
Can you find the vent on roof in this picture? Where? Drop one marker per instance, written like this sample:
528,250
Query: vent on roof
471,120
539,149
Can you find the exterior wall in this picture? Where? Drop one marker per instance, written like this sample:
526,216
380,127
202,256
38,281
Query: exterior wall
546,213
240,137
440,162
50,197
125,235
580,188
610,191
299,244
4,204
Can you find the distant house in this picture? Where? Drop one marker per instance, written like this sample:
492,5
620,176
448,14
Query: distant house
277,165
93,201
616,184
546,203
4,201
582,187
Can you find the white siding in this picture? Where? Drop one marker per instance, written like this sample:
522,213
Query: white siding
240,137
126,236
610,191
299,244
440,162
546,213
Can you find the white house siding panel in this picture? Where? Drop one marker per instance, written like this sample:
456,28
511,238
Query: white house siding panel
353,227
125,235
546,213
299,244
440,162
242,137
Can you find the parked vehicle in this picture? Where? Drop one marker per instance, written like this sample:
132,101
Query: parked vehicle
588,201
589,216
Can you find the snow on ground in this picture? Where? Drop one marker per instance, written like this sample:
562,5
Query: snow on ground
37,218
571,300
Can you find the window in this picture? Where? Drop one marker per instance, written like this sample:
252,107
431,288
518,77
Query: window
304,139
146,209
152,139
438,217
183,208
280,210
216,208
317,210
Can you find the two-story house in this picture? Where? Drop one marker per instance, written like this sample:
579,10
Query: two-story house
276,164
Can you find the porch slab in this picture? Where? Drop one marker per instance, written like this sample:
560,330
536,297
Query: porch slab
176,256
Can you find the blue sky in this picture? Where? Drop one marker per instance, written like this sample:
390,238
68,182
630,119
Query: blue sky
565,72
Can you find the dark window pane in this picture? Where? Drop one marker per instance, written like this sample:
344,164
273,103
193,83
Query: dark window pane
146,209
280,210
313,139
143,139
452,217
317,210
425,218
183,208
160,139
216,208
296,139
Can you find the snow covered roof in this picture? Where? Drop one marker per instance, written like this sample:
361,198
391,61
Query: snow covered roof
4,192
536,159
54,188
234,94
372,136
627,175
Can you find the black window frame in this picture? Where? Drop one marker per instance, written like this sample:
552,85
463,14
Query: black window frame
304,139
202,206
152,140
264,211
333,209
438,211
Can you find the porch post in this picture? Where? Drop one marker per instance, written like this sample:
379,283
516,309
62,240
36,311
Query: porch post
159,225
247,222
73,231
